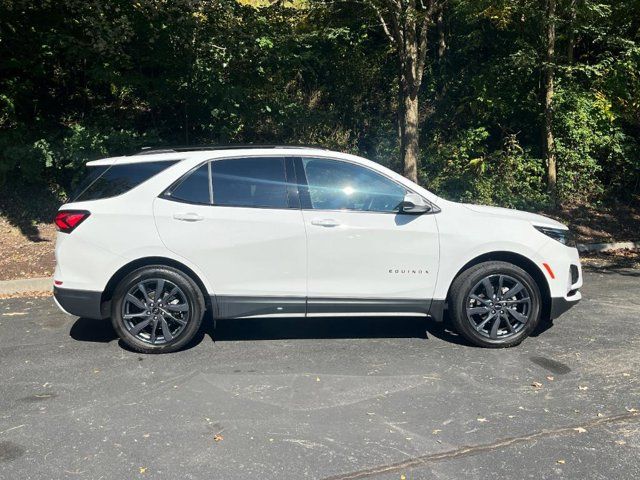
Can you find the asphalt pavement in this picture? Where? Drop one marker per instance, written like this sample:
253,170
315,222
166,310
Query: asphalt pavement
383,398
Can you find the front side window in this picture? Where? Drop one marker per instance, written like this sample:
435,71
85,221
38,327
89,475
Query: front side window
118,179
250,182
336,185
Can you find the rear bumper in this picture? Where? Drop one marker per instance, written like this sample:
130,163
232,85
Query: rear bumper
559,305
81,303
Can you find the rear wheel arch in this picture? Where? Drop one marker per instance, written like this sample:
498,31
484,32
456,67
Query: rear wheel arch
125,270
521,261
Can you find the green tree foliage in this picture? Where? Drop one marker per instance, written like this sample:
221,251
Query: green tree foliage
85,79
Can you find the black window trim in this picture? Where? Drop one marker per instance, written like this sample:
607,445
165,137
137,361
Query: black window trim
305,199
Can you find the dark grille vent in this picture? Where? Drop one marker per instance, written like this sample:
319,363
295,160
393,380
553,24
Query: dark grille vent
574,274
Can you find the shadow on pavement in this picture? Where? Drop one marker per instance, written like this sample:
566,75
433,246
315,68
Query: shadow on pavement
329,328
101,331
88,330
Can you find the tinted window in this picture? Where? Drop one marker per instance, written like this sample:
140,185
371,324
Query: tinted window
92,173
250,182
119,179
335,185
194,188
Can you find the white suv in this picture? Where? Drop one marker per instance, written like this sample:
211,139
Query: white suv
155,239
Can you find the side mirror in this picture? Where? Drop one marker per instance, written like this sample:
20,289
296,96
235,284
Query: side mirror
414,203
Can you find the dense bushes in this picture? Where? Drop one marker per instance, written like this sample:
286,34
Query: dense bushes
81,80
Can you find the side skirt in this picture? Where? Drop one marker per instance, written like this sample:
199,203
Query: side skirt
232,306
336,306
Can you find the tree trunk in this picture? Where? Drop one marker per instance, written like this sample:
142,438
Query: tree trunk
406,25
442,41
400,113
571,34
549,149
442,48
410,138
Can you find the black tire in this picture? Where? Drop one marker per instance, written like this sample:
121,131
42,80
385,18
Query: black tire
188,293
508,313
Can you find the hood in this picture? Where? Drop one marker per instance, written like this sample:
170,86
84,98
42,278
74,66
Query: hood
532,218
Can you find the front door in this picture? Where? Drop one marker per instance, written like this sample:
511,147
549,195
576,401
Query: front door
235,220
363,254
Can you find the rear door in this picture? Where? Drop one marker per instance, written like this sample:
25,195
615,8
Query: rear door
239,222
363,254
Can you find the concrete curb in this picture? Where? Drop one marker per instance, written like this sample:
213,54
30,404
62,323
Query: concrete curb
605,247
10,287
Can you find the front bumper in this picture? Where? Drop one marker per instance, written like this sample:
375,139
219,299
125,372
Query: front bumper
81,303
559,305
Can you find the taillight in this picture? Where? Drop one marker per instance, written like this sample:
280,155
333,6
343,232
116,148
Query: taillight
68,220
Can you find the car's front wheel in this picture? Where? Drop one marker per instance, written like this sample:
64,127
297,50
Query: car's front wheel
495,304
157,309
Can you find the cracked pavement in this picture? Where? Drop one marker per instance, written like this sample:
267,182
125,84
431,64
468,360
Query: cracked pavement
336,398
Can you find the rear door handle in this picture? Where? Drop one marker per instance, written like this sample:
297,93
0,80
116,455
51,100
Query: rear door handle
325,222
188,217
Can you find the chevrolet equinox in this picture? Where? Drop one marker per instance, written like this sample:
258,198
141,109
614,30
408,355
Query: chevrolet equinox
155,239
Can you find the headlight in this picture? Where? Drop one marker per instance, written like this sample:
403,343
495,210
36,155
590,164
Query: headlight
563,236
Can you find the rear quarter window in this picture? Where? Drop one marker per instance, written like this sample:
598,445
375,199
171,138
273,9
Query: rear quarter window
117,179
194,188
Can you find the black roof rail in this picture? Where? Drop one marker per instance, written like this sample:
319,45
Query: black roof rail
153,151
232,146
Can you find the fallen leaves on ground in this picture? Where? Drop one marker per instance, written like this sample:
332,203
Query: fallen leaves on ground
24,257
31,294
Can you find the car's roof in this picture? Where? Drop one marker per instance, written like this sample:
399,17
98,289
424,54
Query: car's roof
183,153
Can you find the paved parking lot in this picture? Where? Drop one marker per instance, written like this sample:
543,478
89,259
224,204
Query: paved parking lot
340,398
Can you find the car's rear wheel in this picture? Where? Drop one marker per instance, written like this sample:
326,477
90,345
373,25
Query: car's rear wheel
157,309
495,304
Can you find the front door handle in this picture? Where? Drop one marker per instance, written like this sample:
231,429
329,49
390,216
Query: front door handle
188,217
325,222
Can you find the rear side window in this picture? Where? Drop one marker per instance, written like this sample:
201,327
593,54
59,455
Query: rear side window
118,179
195,188
250,182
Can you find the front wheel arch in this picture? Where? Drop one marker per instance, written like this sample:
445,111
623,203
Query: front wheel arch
521,261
